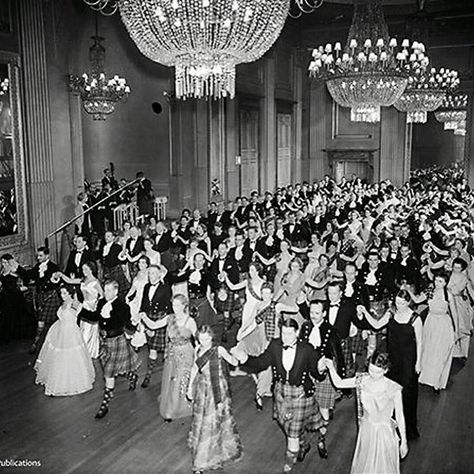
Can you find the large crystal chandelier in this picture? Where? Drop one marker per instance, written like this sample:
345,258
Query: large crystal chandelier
204,39
452,111
425,92
99,94
372,70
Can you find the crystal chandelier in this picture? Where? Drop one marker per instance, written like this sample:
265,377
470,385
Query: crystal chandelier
204,39
99,94
372,70
452,111
425,92
4,84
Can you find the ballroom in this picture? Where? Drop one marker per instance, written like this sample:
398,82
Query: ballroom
236,236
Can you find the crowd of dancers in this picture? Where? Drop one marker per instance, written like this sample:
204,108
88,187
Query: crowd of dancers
312,290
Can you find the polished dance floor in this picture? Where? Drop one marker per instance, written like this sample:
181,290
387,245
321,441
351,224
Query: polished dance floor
62,434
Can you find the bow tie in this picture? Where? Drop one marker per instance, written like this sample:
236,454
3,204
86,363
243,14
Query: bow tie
334,305
292,346
154,285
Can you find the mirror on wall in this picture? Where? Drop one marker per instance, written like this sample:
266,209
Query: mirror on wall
12,186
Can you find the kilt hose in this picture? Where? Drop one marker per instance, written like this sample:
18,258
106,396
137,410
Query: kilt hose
117,356
294,411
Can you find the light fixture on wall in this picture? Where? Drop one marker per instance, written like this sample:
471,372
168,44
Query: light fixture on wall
99,94
425,93
460,128
204,39
452,111
4,85
372,70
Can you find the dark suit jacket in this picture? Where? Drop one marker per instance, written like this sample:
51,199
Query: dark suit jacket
164,243
330,343
345,316
119,321
230,267
139,247
160,305
244,262
112,258
306,362
300,233
71,267
42,283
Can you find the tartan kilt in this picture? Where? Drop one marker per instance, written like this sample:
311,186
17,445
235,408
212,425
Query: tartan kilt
116,273
47,305
157,342
294,411
325,393
358,343
117,356
204,314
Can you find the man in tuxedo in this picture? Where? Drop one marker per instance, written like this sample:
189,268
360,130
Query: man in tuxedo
134,246
47,300
196,220
342,314
407,268
156,304
145,195
295,231
109,180
241,254
254,206
80,255
221,264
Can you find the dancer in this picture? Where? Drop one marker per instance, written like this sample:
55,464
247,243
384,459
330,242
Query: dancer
47,299
112,264
64,365
323,336
179,358
438,335
155,305
134,299
116,355
16,318
404,337
213,439
91,292
378,449
295,406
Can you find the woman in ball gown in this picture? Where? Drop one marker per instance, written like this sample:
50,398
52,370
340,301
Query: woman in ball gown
378,449
179,358
64,365
213,439
253,295
16,320
459,286
292,284
438,335
134,299
91,291
404,338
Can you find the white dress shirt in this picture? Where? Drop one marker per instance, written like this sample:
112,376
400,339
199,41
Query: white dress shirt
333,310
288,357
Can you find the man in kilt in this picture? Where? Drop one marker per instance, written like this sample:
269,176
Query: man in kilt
112,264
295,364
47,300
322,336
116,354
156,304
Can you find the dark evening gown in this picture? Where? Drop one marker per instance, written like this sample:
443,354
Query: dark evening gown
16,318
402,353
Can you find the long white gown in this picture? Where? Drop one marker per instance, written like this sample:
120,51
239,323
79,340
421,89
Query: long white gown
252,298
64,365
90,331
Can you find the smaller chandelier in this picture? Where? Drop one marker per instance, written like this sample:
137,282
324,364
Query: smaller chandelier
99,94
4,85
366,77
425,92
299,7
452,111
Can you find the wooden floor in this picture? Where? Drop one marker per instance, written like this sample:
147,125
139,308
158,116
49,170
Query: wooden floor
63,434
